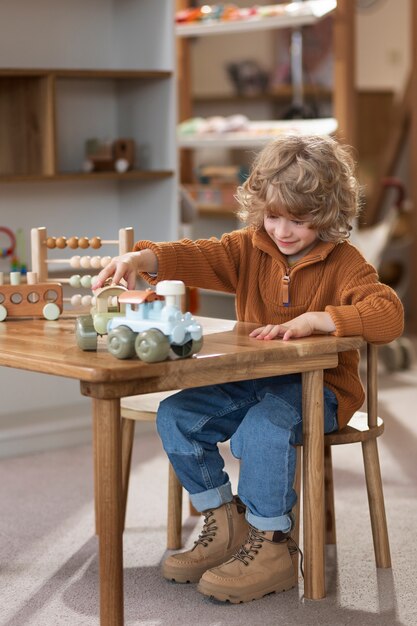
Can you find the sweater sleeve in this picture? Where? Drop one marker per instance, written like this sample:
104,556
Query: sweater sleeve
205,263
367,306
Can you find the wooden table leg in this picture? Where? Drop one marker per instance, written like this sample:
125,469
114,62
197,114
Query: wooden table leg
108,470
313,479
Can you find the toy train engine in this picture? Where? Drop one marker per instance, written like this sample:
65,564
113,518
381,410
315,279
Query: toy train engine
153,326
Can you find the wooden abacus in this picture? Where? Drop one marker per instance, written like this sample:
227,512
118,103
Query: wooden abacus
41,244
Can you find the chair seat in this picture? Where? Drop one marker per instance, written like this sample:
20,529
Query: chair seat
143,407
357,430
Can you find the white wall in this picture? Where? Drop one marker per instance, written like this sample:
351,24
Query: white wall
92,34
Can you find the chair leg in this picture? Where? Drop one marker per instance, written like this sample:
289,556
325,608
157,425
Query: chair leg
376,503
193,510
295,534
174,522
329,517
128,433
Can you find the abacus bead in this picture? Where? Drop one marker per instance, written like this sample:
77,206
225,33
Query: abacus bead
95,262
83,242
86,300
76,299
73,242
85,261
86,281
75,261
105,260
61,242
75,280
95,242
93,301
51,242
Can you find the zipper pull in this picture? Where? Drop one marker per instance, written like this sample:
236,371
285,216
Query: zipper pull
286,288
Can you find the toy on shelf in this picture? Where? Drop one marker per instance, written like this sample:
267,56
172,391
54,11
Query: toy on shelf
107,156
150,324
31,299
43,244
8,250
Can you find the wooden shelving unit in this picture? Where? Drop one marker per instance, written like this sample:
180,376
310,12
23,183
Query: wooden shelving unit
31,144
291,16
259,133
70,71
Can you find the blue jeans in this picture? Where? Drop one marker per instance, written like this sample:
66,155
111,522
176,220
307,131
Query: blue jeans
262,418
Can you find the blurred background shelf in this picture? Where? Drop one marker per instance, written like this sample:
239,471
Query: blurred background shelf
293,15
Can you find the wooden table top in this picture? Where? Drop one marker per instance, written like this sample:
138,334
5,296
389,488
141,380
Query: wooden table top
49,347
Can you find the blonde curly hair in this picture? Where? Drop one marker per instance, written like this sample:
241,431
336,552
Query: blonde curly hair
304,175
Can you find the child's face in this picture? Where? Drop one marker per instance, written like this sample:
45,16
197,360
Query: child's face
291,235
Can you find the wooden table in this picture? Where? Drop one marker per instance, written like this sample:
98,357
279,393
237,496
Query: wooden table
227,355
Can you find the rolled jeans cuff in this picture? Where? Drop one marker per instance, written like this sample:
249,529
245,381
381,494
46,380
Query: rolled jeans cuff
284,523
212,498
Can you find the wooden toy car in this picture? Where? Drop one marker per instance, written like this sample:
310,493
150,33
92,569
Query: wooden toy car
31,300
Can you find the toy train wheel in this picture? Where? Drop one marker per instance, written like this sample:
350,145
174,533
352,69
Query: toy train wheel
152,346
51,311
121,342
3,313
187,349
197,345
85,333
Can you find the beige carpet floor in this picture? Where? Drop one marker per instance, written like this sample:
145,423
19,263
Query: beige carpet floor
48,552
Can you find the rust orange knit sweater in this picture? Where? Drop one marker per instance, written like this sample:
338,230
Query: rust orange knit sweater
331,277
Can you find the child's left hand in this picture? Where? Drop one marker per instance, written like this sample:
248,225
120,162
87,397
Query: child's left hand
301,326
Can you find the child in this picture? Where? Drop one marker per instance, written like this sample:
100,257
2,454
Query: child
294,274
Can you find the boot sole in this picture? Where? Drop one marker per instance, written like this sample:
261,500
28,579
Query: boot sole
182,577
234,597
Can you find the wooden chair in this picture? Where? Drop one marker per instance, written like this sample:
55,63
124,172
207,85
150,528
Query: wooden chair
147,412
364,427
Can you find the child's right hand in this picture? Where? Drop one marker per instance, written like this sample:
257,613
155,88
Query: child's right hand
127,266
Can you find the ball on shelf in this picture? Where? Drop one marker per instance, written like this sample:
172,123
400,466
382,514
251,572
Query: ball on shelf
73,242
95,242
76,299
95,262
61,242
75,280
75,261
86,281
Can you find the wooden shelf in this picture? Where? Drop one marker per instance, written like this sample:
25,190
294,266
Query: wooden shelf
91,176
30,106
258,133
215,210
302,14
283,93
84,73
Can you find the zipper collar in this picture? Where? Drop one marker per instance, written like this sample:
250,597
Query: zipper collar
319,252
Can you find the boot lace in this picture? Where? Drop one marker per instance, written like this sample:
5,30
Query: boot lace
208,531
254,542
250,549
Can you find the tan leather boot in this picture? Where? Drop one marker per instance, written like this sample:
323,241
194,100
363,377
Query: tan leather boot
225,530
263,565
